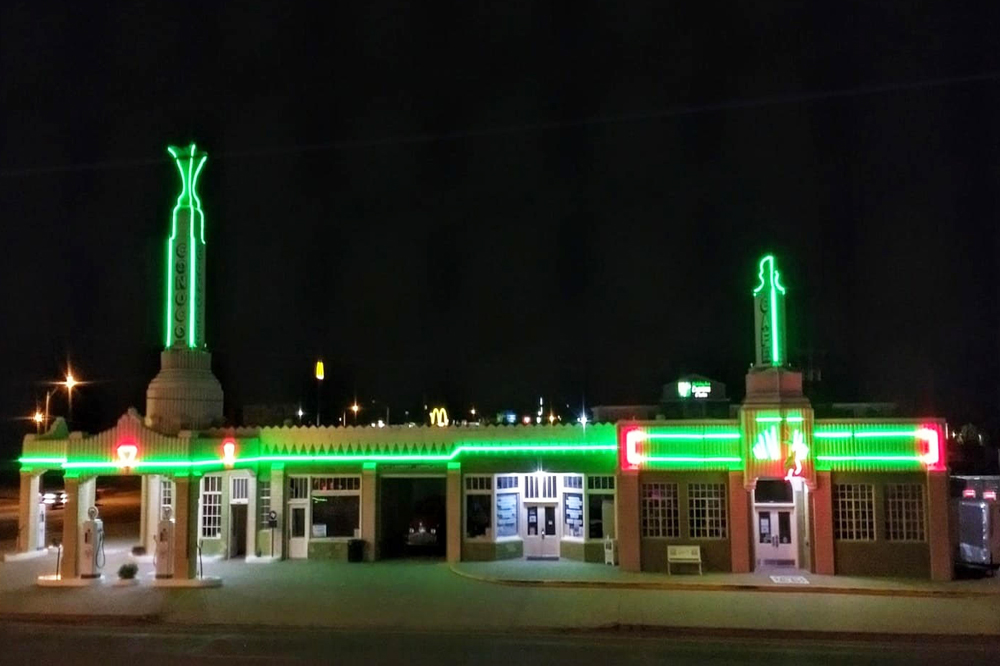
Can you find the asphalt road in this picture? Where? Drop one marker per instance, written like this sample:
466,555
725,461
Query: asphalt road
64,644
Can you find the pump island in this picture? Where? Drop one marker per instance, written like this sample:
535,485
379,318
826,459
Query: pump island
767,486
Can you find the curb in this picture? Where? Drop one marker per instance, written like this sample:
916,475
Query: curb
722,587
80,619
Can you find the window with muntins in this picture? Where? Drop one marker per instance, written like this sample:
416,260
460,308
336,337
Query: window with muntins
853,512
478,506
211,507
707,511
166,494
600,483
240,493
298,487
904,512
264,500
659,510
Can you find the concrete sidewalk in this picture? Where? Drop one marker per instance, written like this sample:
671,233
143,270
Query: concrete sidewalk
428,596
571,574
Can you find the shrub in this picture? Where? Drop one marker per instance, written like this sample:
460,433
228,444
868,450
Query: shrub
128,570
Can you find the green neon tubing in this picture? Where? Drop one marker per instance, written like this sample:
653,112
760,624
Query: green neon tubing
691,459
189,199
768,419
774,279
871,458
693,436
41,461
384,457
839,434
886,433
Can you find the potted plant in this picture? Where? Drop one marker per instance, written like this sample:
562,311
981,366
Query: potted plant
126,574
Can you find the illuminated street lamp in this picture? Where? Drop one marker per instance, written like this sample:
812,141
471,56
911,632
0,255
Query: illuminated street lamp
38,418
320,374
354,408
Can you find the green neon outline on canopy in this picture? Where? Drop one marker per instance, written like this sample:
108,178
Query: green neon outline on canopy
187,198
775,282
355,457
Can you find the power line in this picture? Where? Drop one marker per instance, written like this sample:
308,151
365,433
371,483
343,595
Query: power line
424,138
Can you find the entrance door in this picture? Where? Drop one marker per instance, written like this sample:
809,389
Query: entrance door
777,545
238,530
298,547
540,540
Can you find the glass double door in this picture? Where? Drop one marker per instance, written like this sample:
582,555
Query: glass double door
775,536
541,538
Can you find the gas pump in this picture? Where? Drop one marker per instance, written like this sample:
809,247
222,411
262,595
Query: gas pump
92,553
40,527
165,545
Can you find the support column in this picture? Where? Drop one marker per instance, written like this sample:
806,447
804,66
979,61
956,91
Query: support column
368,510
627,521
144,539
186,526
27,516
279,507
453,512
739,524
253,511
938,533
822,519
69,565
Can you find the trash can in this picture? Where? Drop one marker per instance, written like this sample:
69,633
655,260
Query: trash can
356,550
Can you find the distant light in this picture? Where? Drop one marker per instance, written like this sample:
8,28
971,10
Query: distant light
684,389
70,381
969,493
38,417
300,413
439,417
582,419
990,495
355,408
473,411
381,423
527,420
552,418
320,372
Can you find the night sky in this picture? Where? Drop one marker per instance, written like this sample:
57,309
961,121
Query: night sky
483,204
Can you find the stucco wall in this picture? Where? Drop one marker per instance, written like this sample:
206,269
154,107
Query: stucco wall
882,557
590,551
328,550
484,551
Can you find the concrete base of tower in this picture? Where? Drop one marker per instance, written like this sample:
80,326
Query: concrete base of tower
184,395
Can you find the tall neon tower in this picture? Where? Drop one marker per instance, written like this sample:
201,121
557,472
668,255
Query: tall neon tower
769,315
185,316
185,395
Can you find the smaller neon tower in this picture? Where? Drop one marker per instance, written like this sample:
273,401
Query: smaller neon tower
185,395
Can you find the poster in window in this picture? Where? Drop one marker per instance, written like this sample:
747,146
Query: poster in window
319,530
574,514
507,514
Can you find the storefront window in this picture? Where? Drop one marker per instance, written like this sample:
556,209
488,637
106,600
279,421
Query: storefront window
335,515
600,507
477,515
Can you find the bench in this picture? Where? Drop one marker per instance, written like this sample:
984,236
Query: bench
684,555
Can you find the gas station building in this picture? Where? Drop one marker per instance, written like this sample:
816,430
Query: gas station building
772,489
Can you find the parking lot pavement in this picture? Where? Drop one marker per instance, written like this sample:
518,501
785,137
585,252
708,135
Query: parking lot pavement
427,596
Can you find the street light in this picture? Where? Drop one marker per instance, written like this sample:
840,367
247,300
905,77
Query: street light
38,417
355,408
320,374
70,383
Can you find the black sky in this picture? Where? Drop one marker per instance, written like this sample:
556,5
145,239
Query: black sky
487,203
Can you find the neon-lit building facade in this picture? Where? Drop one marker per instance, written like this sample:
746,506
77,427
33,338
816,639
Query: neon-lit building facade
773,488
